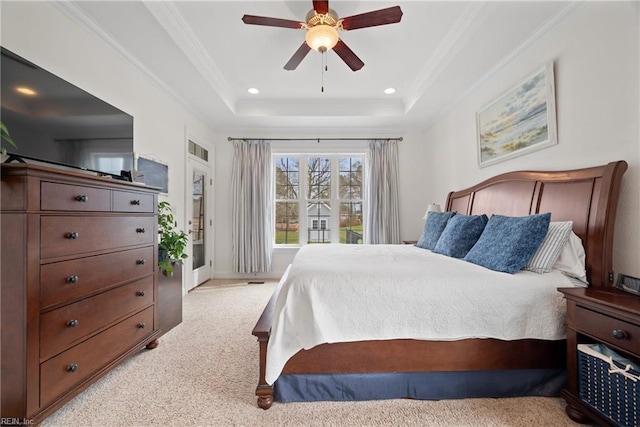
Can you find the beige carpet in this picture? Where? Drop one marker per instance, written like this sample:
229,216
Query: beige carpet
205,371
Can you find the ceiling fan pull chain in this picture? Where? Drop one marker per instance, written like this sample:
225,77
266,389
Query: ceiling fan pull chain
322,73
326,60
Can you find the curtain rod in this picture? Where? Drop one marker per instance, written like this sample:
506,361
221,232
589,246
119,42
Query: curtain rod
317,139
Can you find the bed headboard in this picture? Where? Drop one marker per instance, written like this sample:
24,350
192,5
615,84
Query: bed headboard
588,197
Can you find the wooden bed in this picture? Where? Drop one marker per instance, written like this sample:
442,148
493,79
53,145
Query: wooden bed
587,196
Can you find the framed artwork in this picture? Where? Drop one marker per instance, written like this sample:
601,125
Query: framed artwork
155,174
520,121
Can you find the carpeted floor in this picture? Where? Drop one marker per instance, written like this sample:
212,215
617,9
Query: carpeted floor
205,371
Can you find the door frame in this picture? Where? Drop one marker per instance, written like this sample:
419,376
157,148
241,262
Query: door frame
207,167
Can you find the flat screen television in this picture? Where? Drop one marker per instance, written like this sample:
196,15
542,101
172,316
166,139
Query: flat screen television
53,121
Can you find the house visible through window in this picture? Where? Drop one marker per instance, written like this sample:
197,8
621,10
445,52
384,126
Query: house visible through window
319,199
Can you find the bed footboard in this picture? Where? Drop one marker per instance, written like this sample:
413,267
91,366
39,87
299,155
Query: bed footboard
404,355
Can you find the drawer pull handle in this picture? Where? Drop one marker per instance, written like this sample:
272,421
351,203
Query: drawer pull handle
140,230
620,334
72,367
140,293
140,262
135,202
141,325
72,323
73,235
72,279
82,198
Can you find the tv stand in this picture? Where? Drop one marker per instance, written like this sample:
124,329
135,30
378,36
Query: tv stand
79,288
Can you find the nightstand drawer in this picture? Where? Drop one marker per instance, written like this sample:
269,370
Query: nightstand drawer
608,329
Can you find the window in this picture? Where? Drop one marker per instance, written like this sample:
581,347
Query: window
319,199
287,205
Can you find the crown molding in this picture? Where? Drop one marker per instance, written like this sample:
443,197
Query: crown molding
444,53
300,107
76,14
513,54
181,33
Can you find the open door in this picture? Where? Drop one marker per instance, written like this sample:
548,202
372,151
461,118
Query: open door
200,223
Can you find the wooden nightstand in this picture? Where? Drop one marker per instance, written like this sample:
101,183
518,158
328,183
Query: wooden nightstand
598,315
409,242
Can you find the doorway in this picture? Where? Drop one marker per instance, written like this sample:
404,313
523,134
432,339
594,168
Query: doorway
200,223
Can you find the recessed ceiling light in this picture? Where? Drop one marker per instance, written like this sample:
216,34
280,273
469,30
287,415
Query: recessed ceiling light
389,90
253,91
26,91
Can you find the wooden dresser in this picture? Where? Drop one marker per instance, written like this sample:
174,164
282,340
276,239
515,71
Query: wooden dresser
79,283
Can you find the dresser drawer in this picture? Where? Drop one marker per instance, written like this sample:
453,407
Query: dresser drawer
66,325
62,372
67,197
71,235
602,327
69,280
127,201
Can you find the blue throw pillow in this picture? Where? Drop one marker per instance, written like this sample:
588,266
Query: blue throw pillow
433,227
460,234
508,243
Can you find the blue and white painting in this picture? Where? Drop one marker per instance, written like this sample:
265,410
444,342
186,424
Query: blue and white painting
520,121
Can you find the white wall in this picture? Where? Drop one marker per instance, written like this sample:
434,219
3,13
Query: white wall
42,34
596,51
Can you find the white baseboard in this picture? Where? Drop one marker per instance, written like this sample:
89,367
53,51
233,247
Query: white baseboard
255,276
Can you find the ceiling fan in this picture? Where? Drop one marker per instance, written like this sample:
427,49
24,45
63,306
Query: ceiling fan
322,25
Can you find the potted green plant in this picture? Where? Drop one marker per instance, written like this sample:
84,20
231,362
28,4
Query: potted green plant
173,242
5,136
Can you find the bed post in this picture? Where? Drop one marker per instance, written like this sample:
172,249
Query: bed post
264,391
262,330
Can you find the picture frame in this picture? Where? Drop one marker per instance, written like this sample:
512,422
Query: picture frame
154,173
520,121
628,284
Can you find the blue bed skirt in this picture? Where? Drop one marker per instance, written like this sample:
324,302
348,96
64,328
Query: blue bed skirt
421,385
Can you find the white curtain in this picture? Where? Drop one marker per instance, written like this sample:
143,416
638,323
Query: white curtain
252,224
383,217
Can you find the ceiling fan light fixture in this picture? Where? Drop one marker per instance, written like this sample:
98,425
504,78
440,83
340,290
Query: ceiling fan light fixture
322,37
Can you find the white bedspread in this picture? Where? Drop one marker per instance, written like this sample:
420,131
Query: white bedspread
341,293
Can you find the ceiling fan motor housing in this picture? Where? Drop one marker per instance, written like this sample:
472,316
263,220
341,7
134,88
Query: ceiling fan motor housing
330,18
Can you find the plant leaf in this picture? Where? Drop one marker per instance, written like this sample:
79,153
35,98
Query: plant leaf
4,133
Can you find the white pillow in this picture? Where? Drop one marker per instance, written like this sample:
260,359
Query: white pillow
549,250
572,259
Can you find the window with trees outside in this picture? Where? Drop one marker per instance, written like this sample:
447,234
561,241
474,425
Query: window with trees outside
319,199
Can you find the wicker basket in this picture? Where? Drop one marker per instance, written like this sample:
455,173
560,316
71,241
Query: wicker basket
610,384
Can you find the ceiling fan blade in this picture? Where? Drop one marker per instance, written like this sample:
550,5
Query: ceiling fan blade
390,15
297,57
348,56
271,22
321,6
